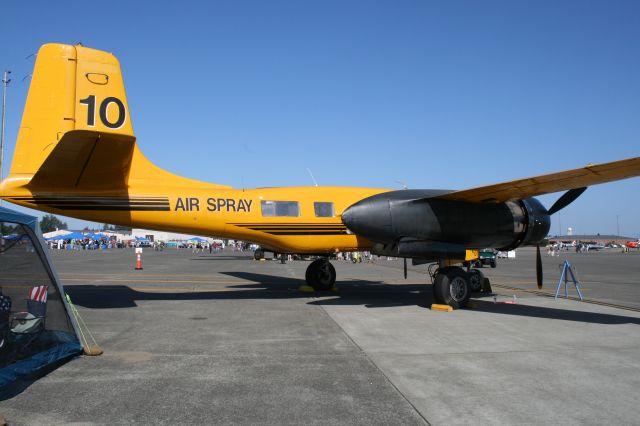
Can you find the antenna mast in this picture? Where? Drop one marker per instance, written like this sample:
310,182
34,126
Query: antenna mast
5,83
312,178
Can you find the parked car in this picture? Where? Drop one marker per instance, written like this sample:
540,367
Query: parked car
486,257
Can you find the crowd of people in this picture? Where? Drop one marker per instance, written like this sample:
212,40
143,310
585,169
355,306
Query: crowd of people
554,248
218,245
84,244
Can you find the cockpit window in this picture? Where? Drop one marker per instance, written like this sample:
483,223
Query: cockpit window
323,209
280,208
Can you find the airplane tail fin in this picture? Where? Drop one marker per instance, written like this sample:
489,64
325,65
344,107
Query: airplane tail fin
76,129
76,134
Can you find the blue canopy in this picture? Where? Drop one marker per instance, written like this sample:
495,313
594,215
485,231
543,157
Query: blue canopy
7,215
97,236
74,236
201,240
41,334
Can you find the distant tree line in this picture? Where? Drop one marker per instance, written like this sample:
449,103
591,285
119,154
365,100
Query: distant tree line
50,223
7,229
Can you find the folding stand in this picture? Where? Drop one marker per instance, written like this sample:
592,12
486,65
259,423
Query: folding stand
567,269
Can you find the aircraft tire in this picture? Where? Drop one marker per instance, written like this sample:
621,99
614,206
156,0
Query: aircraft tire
258,254
451,287
321,275
475,278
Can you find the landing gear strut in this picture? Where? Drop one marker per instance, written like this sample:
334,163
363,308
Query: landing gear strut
451,287
321,275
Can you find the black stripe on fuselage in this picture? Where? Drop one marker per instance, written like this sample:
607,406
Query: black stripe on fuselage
295,228
99,203
288,224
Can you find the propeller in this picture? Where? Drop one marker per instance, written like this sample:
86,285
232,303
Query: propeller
405,268
538,267
566,199
562,202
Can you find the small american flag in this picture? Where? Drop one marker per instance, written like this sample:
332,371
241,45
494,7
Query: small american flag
39,293
5,303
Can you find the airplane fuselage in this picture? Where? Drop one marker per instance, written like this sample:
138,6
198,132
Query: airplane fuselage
309,222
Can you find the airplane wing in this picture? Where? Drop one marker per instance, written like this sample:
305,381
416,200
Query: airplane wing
545,184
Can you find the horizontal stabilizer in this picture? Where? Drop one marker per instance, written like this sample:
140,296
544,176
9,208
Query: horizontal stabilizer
86,160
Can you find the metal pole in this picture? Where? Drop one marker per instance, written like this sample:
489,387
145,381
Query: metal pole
5,83
559,226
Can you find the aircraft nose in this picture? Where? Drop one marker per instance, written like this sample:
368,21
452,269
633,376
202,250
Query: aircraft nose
354,216
369,218
348,218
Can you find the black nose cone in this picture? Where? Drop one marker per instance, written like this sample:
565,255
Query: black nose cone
349,218
370,218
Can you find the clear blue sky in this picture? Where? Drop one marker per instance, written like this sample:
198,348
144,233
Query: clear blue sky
438,95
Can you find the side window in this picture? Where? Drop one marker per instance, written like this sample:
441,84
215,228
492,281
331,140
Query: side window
280,208
323,209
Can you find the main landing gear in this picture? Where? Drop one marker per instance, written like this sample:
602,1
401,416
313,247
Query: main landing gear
321,275
453,286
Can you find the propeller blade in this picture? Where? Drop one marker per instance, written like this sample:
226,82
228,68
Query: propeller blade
566,199
538,267
405,268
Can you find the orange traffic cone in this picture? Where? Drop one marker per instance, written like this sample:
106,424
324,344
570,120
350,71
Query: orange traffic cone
138,262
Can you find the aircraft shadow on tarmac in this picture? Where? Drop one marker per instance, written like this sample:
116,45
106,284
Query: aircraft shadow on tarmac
371,294
259,286
553,313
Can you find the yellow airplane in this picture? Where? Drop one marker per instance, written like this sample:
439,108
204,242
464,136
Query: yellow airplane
76,155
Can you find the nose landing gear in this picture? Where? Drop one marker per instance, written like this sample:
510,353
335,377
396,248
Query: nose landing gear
321,275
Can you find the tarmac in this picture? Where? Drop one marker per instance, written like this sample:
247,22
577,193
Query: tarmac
223,339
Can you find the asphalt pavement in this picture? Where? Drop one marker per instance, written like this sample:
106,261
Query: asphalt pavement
199,338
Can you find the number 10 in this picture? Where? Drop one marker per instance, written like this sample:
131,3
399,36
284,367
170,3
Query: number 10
90,102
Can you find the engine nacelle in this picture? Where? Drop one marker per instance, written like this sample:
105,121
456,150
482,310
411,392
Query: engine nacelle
389,217
538,222
416,249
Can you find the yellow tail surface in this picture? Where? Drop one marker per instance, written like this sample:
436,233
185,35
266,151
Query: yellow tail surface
76,133
76,115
